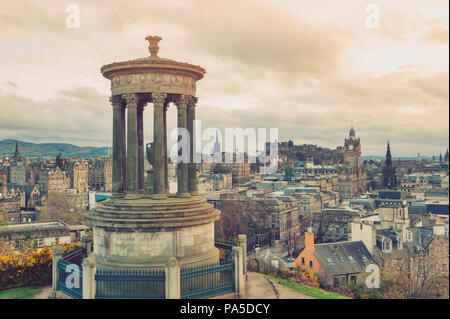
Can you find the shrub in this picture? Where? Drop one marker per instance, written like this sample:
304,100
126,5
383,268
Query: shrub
306,277
30,268
357,291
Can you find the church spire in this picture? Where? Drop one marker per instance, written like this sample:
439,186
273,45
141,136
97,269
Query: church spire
16,152
388,154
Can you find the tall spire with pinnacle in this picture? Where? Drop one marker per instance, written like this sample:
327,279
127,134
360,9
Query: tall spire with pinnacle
16,152
388,154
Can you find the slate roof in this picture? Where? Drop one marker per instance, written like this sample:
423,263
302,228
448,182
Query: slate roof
389,195
389,233
23,189
422,237
438,209
418,209
339,258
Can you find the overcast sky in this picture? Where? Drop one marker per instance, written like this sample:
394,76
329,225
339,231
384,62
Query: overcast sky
310,68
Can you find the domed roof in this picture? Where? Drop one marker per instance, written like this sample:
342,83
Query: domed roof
152,62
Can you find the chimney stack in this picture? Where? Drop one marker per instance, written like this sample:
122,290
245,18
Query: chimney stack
309,239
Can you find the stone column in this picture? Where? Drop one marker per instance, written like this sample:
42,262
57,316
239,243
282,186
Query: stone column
173,290
182,170
118,156
166,173
132,146
192,167
140,131
57,255
89,285
159,189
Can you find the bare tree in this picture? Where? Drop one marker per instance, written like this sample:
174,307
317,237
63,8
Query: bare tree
414,276
61,206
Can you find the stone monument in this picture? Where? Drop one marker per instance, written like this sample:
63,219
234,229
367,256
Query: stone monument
143,226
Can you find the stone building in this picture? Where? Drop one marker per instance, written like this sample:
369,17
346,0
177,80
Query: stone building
208,183
43,233
30,196
80,177
269,220
58,181
338,263
3,182
100,174
395,216
10,209
332,224
352,176
18,174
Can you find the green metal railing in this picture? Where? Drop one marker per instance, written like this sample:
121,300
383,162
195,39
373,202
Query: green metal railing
73,285
207,281
130,284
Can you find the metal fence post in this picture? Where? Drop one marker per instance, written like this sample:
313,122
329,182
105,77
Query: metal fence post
57,255
173,282
89,269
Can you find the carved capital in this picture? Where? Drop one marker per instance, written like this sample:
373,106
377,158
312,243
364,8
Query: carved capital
116,102
132,99
192,102
159,98
182,101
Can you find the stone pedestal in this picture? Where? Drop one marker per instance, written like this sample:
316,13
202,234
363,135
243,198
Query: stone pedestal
146,233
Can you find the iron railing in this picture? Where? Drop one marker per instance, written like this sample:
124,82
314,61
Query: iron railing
73,285
130,284
207,281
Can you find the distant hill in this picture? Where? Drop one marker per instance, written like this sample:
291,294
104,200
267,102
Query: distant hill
27,149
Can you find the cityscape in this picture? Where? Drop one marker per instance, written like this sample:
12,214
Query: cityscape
290,165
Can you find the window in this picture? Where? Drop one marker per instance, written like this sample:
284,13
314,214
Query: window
409,235
310,263
303,261
351,258
387,245
444,268
330,261
353,279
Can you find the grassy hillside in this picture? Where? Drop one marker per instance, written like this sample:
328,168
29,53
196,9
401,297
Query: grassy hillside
306,290
27,149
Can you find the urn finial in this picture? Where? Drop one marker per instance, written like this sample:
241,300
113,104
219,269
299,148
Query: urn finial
153,44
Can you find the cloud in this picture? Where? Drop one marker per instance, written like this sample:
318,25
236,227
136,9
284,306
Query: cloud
268,63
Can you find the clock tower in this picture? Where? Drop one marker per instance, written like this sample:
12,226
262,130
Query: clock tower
352,151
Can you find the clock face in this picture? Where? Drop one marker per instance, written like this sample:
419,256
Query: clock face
350,147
